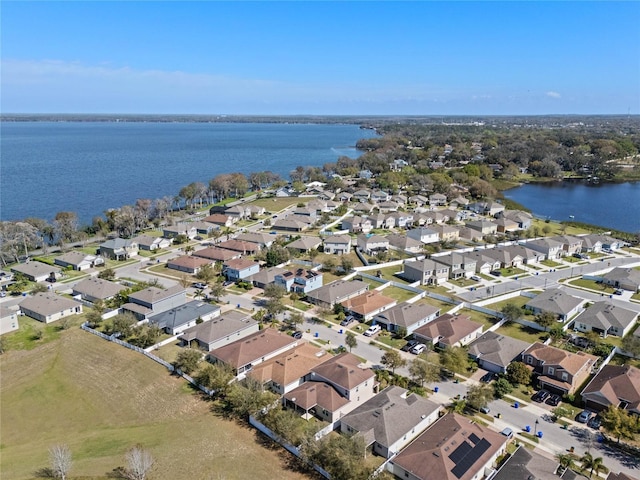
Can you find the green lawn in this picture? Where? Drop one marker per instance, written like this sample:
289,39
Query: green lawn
274,204
479,317
434,302
622,360
512,272
527,334
400,294
388,273
550,263
26,337
592,285
100,399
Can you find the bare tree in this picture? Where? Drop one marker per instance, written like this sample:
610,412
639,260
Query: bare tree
60,458
139,463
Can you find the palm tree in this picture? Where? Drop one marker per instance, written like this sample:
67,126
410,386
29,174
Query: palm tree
566,460
591,463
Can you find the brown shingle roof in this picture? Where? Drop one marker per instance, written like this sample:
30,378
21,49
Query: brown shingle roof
368,302
253,347
217,254
344,370
289,366
571,362
311,394
448,329
615,383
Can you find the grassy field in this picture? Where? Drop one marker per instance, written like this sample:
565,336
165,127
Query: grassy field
100,399
276,204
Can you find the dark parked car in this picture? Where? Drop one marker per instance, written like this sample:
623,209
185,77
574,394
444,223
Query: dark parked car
410,344
554,400
595,422
347,321
487,377
297,334
541,396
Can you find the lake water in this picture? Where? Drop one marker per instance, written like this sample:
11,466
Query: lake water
611,205
89,167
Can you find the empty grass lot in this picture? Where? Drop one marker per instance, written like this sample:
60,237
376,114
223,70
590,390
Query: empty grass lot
100,399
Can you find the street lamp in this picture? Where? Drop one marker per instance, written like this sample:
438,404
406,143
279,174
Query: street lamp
535,427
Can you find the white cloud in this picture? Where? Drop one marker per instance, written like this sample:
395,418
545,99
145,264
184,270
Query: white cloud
553,94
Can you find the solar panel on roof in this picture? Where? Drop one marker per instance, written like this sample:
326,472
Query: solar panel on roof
459,453
474,438
470,458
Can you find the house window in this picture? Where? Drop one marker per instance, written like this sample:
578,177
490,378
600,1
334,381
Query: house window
529,360
551,370
565,376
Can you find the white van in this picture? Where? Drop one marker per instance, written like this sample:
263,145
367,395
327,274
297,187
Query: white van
372,330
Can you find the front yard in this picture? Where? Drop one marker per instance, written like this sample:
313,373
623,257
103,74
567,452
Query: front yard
521,332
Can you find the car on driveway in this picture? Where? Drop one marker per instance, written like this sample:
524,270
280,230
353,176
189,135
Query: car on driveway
583,416
554,400
540,396
476,278
372,330
418,349
200,285
347,321
297,334
507,432
410,344
617,292
595,422
487,377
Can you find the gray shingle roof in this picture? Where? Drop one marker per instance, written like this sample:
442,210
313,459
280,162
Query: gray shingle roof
497,349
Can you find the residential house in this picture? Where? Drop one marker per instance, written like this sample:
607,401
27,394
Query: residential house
345,376
49,307
453,448
446,233
379,196
37,271
93,289
150,244
552,249
570,244
622,277
216,254
617,385
344,197
505,225
299,280
188,264
184,229
356,224
337,244
494,352
244,354
366,174
240,246
372,244
391,420
204,228
8,319
378,220
596,242
506,257
118,249
336,292
398,220
556,301
361,196
435,217
406,317
460,265
152,300
262,240
326,196
404,243
239,268
78,261
605,318
557,370
265,276
469,234
485,227
486,208
387,207
305,244
418,200
528,255
437,200
524,220
459,202
220,219
290,225
368,304
427,272
484,263
290,369
526,464
363,209
182,317
221,330
449,331
399,199
397,165
424,234
309,213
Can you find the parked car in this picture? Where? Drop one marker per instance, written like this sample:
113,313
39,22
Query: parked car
372,330
583,416
507,432
595,422
554,400
485,410
618,291
540,396
410,344
487,377
347,320
418,349
297,334
200,285
495,273
476,278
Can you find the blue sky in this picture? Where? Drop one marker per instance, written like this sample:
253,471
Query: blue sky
345,58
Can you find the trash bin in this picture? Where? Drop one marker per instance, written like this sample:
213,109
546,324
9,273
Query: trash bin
516,405
436,389
316,335
340,331
527,428
539,434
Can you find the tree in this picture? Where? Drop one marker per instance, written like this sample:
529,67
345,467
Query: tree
184,280
275,255
392,359
274,291
591,463
618,422
60,459
340,455
66,225
123,323
631,344
454,359
274,306
206,274
139,463
423,372
511,312
248,398
215,377
350,340
188,360
545,320
479,395
502,387
566,460
346,263
518,373
107,274
216,291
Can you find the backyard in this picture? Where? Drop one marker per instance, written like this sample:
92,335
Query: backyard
100,399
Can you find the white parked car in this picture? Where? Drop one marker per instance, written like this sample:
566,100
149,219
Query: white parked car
372,330
418,349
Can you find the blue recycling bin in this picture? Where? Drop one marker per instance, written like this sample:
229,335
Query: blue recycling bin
539,434
340,331
316,335
527,428
516,405
436,389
